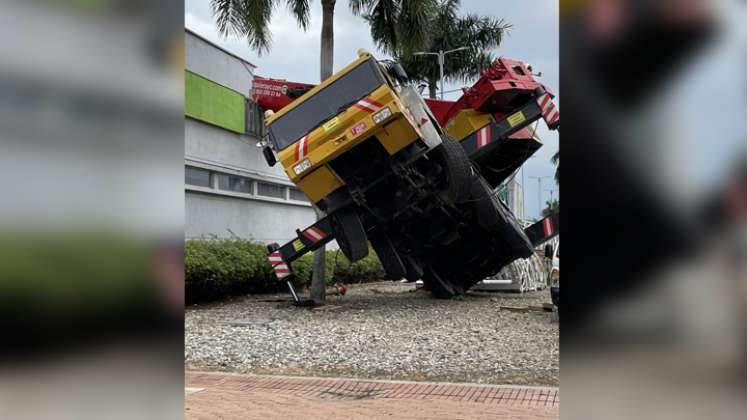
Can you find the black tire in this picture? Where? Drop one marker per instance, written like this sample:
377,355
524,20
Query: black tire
458,170
390,259
513,234
436,285
456,284
495,216
414,270
483,201
467,280
350,235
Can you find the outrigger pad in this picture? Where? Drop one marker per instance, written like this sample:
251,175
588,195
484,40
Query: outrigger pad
304,302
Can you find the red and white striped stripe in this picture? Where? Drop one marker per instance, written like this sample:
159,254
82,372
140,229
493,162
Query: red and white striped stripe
369,105
302,147
278,265
549,112
483,136
547,227
315,234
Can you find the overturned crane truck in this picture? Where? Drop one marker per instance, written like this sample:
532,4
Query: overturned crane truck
367,150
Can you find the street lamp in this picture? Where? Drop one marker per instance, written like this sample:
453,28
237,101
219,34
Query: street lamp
539,192
523,187
551,191
441,54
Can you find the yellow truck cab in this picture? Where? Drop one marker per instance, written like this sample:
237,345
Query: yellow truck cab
364,147
358,102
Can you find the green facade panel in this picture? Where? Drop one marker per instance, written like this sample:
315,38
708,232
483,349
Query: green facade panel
210,102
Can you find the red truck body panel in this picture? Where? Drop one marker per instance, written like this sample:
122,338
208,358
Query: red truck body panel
275,94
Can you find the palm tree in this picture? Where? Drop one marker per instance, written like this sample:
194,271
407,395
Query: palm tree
555,159
251,19
447,31
552,206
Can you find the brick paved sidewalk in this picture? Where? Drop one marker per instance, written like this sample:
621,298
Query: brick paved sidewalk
232,396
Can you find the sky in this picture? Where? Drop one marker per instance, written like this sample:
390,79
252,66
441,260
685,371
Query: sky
294,55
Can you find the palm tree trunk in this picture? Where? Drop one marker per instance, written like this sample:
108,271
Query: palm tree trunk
318,289
328,42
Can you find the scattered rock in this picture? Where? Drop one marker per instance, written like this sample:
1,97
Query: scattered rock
393,334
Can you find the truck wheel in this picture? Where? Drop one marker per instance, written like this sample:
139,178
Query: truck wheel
436,285
388,256
495,216
350,235
458,170
484,204
470,279
414,270
513,233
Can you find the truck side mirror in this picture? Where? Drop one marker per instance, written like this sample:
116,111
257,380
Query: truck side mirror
399,72
269,156
548,251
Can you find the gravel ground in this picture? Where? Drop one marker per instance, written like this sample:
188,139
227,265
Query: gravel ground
379,330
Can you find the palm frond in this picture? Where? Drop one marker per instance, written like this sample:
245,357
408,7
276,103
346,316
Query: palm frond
382,16
433,25
360,7
227,14
300,9
414,25
250,19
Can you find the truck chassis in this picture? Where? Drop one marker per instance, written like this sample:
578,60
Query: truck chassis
481,147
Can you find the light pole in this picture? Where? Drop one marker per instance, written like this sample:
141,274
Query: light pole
523,186
539,193
550,190
441,54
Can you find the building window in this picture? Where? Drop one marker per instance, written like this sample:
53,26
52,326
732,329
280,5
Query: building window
196,176
255,119
296,194
234,183
219,181
270,190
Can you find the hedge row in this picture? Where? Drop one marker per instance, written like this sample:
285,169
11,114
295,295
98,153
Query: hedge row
218,268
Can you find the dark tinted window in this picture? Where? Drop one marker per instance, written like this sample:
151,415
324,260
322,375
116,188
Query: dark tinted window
234,183
296,194
346,90
270,190
255,120
519,70
197,176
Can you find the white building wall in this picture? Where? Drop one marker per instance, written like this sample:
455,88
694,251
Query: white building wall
224,149
515,198
212,63
215,215
210,212
519,201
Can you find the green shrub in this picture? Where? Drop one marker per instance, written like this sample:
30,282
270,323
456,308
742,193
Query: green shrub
220,268
214,269
54,277
364,270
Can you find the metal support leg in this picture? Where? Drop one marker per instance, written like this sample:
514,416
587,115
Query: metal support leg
293,291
